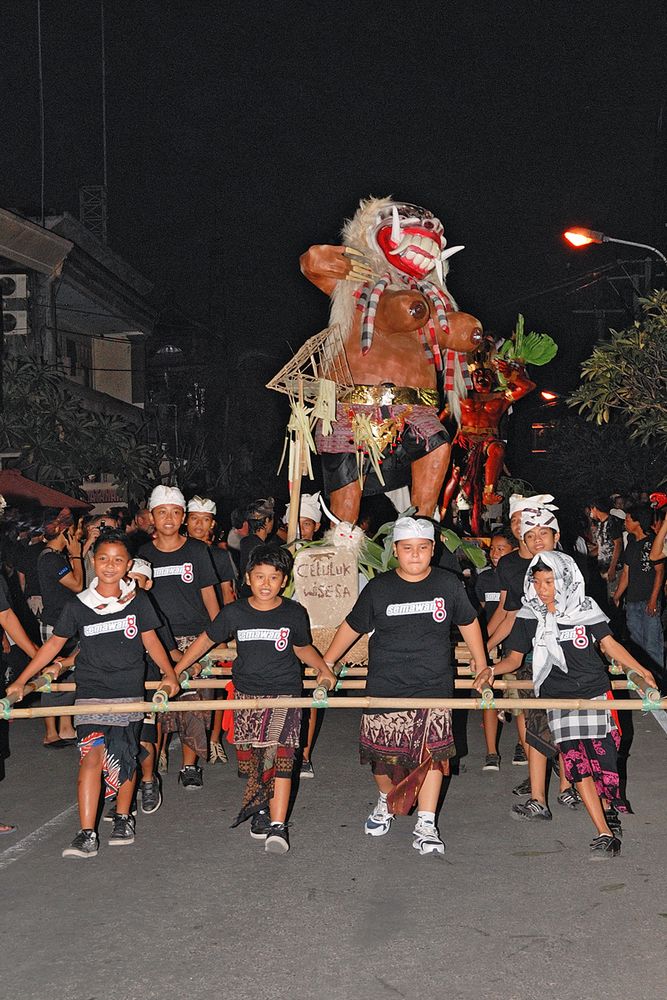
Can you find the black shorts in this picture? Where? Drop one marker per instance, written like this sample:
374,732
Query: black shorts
340,470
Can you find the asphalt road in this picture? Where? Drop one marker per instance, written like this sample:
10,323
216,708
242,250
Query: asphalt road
196,910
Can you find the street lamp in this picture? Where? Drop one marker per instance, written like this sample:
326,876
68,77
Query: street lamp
579,237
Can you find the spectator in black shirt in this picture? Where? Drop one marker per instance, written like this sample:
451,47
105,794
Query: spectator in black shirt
641,583
60,572
260,517
200,524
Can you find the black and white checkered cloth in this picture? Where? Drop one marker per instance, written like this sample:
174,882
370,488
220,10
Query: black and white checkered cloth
45,631
573,725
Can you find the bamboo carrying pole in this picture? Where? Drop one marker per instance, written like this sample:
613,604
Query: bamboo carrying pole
43,682
397,704
358,684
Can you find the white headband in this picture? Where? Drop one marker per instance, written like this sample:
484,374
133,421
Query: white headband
142,567
201,505
166,494
409,527
309,507
518,502
537,517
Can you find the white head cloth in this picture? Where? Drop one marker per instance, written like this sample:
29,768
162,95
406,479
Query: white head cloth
410,527
201,505
142,567
308,507
519,502
166,494
538,517
573,607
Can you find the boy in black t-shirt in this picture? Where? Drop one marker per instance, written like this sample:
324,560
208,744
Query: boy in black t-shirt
562,625
511,573
200,524
409,613
115,623
487,592
184,591
272,635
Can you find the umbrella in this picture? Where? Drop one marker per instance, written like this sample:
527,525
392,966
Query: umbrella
17,488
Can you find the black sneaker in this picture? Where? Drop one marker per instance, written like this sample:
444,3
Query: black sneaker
519,759
570,798
277,841
85,845
306,770
614,822
260,824
604,847
492,762
522,789
151,796
191,777
530,810
123,831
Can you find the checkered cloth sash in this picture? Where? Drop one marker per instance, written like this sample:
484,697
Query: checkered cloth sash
574,725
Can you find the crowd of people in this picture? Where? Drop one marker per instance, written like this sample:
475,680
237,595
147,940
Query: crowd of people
113,603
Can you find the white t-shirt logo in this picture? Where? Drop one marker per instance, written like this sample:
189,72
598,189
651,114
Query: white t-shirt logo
435,608
184,570
127,625
278,636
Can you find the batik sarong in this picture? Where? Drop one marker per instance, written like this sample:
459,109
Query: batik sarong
266,741
406,746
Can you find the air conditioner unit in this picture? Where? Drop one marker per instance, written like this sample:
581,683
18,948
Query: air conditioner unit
14,288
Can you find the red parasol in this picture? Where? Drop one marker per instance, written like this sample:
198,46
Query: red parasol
16,488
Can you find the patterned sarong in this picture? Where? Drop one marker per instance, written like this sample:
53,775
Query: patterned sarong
266,741
190,726
406,746
121,751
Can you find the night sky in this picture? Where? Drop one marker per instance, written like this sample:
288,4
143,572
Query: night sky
239,133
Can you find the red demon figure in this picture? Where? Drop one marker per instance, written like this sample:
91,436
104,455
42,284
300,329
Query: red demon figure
479,449
406,345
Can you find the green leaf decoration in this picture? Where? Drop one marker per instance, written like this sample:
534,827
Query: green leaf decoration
530,348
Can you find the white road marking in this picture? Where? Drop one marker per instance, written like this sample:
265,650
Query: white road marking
16,851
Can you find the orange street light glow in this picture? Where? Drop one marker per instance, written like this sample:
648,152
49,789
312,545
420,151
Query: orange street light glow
582,237
548,396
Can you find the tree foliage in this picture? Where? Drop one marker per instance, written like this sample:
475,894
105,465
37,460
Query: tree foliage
61,443
627,377
589,459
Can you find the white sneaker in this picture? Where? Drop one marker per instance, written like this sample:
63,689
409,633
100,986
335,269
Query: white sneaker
379,821
427,839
